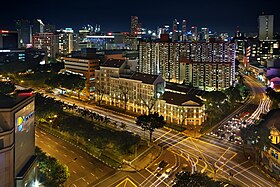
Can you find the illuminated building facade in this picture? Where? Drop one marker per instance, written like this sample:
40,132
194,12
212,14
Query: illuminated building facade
271,154
266,27
17,140
8,39
65,41
24,31
47,42
143,93
207,66
85,64
134,26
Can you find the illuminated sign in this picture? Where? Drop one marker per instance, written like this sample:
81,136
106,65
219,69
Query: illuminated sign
4,31
21,122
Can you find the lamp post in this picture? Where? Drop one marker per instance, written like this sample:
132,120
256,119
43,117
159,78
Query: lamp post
67,164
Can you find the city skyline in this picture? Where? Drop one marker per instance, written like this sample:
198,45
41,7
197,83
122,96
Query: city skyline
115,16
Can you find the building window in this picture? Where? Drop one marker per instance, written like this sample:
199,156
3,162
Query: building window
1,144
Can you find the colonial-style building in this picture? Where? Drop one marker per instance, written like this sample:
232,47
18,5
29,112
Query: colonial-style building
118,84
271,156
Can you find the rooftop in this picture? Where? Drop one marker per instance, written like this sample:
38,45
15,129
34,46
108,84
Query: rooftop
7,101
114,63
183,89
181,99
145,78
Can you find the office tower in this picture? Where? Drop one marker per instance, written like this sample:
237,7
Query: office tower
49,28
204,34
24,32
194,33
38,26
175,30
184,30
17,140
266,27
8,39
85,63
134,26
65,41
208,66
47,42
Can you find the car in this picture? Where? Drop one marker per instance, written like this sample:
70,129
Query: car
167,172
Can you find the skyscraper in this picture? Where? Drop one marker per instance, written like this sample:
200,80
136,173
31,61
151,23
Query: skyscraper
175,30
204,34
194,33
266,27
65,41
38,26
24,32
184,30
134,26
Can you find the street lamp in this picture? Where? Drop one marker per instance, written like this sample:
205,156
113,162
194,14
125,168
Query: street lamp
67,164
51,123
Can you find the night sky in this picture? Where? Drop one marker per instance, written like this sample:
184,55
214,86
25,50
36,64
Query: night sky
114,15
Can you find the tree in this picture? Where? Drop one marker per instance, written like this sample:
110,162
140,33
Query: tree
99,91
149,103
7,87
150,122
214,104
249,134
234,95
186,179
69,81
54,173
124,94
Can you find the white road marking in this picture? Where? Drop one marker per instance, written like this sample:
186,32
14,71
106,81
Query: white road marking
100,169
83,167
84,179
81,157
74,172
92,174
65,155
37,136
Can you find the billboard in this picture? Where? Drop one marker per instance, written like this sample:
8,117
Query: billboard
24,136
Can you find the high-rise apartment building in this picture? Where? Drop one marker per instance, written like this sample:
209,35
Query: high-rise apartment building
17,140
266,27
208,66
24,30
134,27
